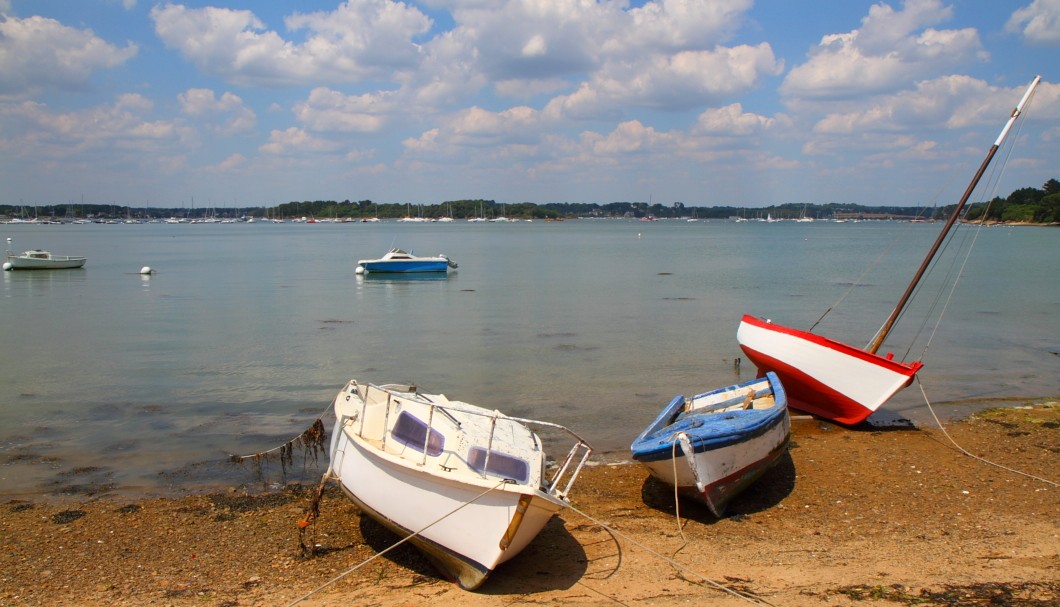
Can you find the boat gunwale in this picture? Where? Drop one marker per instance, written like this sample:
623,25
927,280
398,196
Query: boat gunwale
657,441
908,369
545,486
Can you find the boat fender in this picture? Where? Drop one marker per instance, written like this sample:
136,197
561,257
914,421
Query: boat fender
7,265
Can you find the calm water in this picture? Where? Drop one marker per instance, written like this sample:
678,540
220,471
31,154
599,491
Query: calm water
246,331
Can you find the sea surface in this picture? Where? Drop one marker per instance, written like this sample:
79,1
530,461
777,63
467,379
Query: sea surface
113,381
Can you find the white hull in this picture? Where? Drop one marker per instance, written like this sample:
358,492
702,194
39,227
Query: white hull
43,260
714,445
822,376
466,543
467,521
714,477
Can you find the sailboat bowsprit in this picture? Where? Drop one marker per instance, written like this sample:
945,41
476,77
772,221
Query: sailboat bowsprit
834,380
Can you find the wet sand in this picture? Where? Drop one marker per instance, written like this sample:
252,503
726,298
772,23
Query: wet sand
851,517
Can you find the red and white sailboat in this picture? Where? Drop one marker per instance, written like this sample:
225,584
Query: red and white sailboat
836,381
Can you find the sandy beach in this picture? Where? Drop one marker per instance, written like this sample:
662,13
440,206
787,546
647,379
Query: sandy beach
852,517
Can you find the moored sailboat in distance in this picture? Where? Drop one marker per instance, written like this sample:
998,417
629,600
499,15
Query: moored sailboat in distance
831,379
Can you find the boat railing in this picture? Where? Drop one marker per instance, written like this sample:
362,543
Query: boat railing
562,478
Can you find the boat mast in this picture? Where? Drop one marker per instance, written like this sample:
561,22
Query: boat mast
881,335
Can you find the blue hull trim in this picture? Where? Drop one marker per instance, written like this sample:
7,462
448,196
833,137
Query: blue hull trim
708,431
406,266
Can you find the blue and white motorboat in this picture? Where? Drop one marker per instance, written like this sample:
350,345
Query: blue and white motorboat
714,445
401,261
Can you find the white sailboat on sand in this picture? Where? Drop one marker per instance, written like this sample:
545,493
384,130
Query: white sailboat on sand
834,380
466,485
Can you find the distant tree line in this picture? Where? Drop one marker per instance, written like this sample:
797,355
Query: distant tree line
1028,205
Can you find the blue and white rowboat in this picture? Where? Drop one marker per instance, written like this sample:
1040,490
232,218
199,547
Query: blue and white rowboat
714,445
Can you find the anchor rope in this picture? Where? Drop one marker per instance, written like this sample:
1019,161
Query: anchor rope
971,455
614,532
318,418
676,564
395,544
677,502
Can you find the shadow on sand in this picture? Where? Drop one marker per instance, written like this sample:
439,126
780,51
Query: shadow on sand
553,561
777,483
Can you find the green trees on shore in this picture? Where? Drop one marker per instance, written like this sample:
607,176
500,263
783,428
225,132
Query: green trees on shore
1025,205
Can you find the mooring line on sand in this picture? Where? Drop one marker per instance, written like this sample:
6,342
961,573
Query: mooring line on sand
677,502
614,532
394,545
969,454
754,600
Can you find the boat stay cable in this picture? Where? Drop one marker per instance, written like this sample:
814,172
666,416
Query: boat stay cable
881,334
954,273
860,281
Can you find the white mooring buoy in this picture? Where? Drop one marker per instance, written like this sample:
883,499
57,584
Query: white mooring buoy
146,270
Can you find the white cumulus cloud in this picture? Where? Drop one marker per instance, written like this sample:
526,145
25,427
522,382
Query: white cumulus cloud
1039,22
38,53
890,50
358,40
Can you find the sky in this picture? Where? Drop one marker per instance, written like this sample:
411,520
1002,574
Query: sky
234,103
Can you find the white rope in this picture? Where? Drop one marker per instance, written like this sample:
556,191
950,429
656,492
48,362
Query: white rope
716,585
965,451
392,546
677,502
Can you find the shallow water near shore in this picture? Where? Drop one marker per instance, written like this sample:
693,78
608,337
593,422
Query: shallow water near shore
115,381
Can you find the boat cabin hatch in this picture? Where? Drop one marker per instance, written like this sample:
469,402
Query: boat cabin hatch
412,432
498,464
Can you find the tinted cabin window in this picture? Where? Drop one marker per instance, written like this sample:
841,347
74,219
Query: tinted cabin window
411,432
501,465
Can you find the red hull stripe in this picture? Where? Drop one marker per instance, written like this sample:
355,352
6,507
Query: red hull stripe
805,392
908,369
